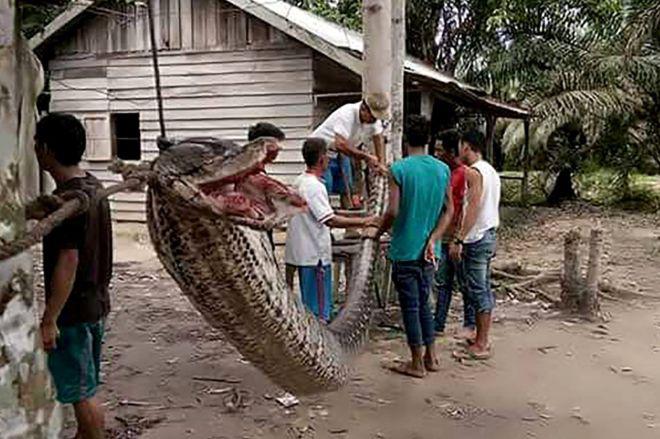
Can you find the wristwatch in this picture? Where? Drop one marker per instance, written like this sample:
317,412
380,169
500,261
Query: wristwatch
458,241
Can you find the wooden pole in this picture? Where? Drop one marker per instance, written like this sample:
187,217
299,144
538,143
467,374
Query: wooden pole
589,304
154,55
27,408
572,279
398,83
377,55
525,159
490,138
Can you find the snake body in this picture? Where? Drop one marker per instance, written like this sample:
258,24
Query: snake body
229,273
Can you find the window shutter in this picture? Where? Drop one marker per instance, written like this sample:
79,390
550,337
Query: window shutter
99,145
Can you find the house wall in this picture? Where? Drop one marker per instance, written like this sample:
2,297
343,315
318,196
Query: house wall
221,71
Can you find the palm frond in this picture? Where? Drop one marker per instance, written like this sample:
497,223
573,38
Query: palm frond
642,26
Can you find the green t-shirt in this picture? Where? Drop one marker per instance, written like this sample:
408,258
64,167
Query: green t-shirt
422,181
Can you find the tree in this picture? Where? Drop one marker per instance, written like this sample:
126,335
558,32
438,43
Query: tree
27,408
596,67
443,33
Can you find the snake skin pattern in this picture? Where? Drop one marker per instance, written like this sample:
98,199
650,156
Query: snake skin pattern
229,273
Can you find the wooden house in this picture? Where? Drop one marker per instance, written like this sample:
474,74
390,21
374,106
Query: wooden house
225,65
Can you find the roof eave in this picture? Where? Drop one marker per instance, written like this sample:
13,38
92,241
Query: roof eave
59,22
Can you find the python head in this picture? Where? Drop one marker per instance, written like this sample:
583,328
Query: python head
210,176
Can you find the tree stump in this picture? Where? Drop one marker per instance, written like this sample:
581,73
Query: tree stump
571,283
589,304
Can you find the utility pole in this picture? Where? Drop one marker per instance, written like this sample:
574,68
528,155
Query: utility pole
27,409
377,55
398,85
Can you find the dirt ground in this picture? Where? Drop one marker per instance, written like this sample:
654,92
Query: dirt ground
551,376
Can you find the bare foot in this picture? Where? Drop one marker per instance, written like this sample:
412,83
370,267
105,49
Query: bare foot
431,364
408,370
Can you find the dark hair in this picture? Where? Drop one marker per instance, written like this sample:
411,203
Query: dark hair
313,149
265,129
417,130
449,140
64,136
474,139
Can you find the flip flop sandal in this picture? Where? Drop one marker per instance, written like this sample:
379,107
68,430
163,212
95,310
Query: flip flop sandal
465,342
469,355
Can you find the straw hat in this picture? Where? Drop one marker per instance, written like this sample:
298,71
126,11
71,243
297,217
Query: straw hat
379,105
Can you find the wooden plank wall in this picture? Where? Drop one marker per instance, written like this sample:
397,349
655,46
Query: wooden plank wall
180,24
217,91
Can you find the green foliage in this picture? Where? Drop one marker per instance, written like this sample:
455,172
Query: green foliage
595,69
599,186
35,15
347,13
34,18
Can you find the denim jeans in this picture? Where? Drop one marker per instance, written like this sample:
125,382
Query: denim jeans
412,280
474,272
443,285
334,182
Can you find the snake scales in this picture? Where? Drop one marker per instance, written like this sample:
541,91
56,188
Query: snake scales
225,265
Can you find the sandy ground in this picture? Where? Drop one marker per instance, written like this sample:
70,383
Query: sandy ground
551,377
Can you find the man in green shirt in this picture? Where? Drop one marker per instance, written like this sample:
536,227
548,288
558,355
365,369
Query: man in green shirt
419,211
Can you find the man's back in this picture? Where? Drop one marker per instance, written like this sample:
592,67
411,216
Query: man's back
345,121
91,234
422,182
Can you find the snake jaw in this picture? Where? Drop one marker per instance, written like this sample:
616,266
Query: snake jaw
228,180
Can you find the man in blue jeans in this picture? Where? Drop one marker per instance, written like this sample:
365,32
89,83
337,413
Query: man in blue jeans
446,272
419,188
474,244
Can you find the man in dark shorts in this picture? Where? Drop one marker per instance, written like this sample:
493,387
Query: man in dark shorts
77,269
265,129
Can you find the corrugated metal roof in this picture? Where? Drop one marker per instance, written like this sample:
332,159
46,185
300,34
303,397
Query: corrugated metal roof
343,38
325,37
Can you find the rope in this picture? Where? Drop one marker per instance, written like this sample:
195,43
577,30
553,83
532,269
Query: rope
80,203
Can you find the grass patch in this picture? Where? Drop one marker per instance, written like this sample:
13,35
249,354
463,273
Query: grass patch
595,186
601,187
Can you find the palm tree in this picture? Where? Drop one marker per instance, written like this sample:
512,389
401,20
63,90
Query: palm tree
596,72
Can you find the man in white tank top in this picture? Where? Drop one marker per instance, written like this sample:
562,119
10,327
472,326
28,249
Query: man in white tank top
475,240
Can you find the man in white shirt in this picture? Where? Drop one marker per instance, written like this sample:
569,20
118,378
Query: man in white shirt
308,242
476,239
344,130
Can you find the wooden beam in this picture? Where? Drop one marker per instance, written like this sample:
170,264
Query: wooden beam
525,159
490,137
58,22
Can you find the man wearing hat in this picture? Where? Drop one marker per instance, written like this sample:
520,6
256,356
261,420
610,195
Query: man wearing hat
344,130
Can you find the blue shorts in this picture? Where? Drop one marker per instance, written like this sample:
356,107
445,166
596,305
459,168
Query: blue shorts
334,182
474,272
75,363
316,289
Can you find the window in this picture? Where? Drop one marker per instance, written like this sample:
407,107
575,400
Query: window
98,138
126,135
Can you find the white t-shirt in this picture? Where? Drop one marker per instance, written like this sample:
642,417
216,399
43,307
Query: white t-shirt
345,121
489,205
308,238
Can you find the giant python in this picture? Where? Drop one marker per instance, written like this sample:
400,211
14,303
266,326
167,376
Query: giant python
209,204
